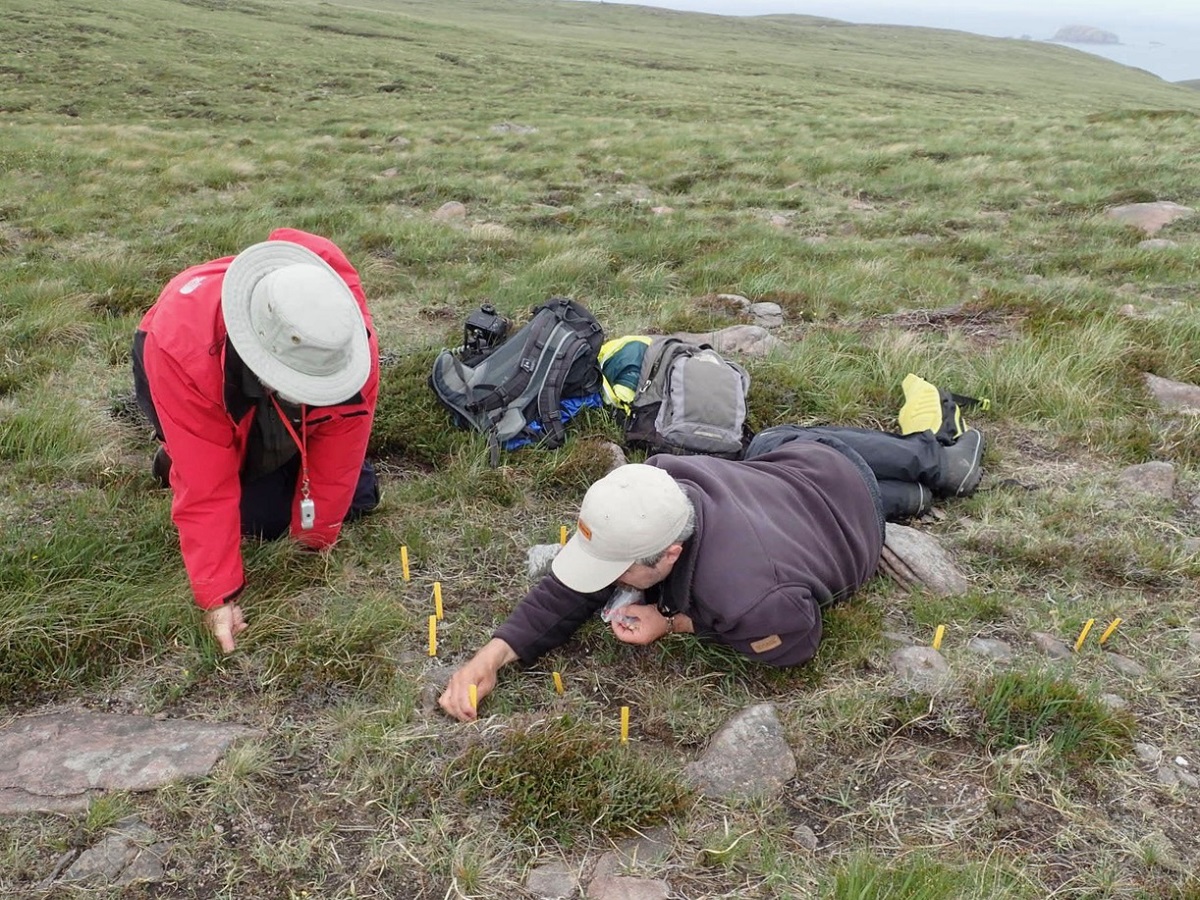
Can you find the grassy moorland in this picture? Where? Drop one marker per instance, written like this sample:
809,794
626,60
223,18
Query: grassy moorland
915,200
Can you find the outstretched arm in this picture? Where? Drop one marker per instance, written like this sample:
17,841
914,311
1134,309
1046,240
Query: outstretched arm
480,671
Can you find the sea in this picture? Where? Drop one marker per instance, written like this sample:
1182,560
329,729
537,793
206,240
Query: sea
1163,42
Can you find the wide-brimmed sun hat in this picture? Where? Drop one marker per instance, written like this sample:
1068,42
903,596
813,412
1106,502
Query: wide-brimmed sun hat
295,323
632,513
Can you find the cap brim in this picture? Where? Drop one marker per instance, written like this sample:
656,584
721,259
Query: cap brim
580,571
247,269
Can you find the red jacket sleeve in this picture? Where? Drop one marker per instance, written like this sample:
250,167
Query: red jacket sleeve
205,461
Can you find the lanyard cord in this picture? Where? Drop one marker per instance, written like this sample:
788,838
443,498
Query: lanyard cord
301,442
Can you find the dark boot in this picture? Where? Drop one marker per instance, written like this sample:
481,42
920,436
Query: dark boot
961,466
161,467
904,500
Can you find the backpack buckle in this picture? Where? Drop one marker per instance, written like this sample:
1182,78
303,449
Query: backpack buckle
527,365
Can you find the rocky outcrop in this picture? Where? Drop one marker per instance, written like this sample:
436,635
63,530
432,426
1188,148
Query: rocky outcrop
1084,34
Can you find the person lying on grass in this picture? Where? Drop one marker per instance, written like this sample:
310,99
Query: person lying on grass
742,552
260,374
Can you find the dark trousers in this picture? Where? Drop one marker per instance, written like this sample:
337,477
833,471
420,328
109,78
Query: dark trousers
268,501
897,461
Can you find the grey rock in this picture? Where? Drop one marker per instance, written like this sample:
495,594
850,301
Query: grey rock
752,340
1149,217
1187,779
400,142
1163,852
778,221
623,887
747,757
513,128
538,559
1157,244
131,852
920,669
1125,665
54,763
1050,645
915,559
991,648
896,637
553,881
1113,702
647,849
1147,753
805,837
1167,775
1175,396
616,454
662,210
449,211
1152,479
1191,545
768,315
1193,641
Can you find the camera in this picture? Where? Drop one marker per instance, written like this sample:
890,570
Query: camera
484,331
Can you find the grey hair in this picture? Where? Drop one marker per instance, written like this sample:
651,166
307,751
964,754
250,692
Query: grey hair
685,532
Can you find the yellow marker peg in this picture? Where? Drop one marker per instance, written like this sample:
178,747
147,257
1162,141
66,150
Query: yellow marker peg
558,685
404,561
562,534
1087,626
624,724
437,600
433,635
1108,632
473,694
937,637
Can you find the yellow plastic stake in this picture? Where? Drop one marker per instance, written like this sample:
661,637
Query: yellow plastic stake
437,600
558,685
433,635
562,534
624,724
1087,626
473,693
1108,632
937,637
404,561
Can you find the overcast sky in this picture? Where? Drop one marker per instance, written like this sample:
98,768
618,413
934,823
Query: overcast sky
1069,11
1161,36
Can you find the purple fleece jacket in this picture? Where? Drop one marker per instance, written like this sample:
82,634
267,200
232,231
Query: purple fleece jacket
777,538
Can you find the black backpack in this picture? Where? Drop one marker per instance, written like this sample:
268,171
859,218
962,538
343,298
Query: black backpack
690,400
513,393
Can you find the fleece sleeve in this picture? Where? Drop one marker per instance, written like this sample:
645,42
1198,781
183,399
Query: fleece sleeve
547,617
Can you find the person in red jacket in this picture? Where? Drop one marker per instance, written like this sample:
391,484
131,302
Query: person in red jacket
259,373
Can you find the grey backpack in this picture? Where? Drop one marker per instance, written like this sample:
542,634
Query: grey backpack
690,400
523,391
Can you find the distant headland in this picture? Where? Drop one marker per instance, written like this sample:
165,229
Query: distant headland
1084,34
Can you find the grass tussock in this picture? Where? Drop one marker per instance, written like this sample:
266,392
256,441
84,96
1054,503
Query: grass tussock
563,778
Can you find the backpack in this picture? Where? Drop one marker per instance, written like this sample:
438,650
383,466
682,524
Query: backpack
514,393
930,408
690,400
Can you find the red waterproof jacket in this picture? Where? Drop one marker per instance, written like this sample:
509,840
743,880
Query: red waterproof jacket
184,360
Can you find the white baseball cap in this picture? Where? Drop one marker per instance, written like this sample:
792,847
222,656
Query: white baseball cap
633,512
295,323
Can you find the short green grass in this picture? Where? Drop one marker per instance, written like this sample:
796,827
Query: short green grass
915,200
